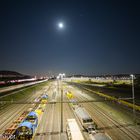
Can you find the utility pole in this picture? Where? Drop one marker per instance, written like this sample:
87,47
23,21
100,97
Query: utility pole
133,97
61,110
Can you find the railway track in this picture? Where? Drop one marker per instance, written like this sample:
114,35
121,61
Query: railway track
5,124
13,111
130,133
107,121
134,135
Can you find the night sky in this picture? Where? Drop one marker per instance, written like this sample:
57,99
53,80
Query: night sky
99,36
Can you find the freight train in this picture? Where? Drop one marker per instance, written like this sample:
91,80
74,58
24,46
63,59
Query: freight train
25,126
87,122
69,95
99,136
73,130
85,119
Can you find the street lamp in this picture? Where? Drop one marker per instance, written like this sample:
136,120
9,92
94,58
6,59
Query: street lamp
133,95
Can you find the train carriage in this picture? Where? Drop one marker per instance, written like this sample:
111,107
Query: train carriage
73,130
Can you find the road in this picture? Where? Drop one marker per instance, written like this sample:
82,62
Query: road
6,91
112,120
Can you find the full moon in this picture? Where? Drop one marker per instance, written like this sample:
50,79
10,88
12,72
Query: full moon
60,25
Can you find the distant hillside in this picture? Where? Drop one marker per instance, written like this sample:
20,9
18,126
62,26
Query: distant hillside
12,75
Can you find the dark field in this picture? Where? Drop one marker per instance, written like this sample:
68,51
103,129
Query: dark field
118,91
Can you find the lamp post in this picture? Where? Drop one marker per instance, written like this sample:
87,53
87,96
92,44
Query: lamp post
61,110
61,105
133,96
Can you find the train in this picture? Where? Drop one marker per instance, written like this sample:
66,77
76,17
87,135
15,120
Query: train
88,124
99,136
73,131
26,129
69,95
45,96
85,119
73,103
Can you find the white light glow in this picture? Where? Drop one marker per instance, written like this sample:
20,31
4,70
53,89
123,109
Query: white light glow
60,25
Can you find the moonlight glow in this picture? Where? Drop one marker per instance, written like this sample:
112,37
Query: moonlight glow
60,25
